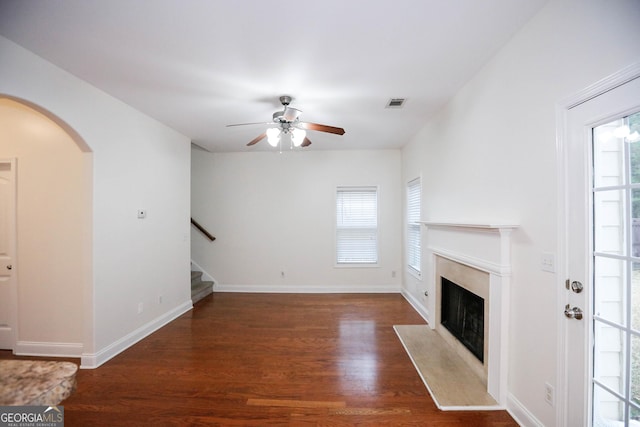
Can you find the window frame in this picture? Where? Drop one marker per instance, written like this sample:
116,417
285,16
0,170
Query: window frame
413,224
347,188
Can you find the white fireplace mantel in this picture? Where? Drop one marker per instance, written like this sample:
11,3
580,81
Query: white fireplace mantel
486,247
497,261
477,226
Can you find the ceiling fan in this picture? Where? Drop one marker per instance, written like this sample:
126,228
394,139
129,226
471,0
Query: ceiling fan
287,122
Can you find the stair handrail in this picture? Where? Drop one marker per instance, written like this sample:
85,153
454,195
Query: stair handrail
202,230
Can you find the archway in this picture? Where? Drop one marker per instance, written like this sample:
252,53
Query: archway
53,229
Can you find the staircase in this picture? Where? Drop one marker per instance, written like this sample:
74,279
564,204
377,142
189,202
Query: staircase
199,288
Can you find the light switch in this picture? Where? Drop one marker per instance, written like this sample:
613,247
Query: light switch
548,262
142,213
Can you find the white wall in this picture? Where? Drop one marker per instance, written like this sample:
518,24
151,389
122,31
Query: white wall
138,163
274,212
53,217
490,155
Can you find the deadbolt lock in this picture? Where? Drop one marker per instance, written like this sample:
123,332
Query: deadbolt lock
576,287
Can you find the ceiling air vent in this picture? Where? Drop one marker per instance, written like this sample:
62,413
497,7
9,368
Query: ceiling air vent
395,103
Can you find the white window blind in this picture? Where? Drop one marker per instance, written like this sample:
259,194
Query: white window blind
413,227
357,225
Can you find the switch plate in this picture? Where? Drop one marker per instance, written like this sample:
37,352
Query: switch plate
548,262
549,394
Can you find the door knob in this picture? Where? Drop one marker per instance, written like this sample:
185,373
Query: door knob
573,313
9,267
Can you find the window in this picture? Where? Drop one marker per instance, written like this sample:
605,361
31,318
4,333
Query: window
413,226
357,225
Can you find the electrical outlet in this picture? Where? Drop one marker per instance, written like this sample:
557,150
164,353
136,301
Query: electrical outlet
140,307
159,299
549,394
393,274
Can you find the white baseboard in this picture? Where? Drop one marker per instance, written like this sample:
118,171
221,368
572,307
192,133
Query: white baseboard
48,349
417,305
302,289
94,360
520,413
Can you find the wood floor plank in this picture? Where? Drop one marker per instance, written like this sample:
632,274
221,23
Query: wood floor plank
203,368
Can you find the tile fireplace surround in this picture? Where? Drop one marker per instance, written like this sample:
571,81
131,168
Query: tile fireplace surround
477,257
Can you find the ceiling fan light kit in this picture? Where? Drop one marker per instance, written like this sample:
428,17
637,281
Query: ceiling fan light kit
287,122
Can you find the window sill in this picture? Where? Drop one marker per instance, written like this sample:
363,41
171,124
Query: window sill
416,274
356,265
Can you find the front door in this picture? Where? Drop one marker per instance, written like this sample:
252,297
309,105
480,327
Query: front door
8,282
602,296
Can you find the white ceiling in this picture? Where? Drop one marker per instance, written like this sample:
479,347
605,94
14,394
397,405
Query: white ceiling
198,65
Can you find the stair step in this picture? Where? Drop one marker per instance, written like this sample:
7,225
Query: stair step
200,285
196,276
200,291
199,288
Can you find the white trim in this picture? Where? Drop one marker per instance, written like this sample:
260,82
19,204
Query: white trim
562,108
477,263
48,349
302,289
521,414
13,281
413,272
474,225
94,360
417,305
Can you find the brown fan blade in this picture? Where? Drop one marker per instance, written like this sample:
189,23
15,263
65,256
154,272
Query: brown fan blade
245,124
322,128
306,142
256,139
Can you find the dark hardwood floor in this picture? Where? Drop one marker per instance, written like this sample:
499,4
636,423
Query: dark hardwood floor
269,359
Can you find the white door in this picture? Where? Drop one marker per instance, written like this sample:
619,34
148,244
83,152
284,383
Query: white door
603,188
8,282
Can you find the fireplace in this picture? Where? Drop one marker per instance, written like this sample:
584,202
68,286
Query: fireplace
476,257
462,300
462,313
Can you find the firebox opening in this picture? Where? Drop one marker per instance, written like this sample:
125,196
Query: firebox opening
462,313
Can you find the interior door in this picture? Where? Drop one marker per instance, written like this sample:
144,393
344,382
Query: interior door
602,304
8,281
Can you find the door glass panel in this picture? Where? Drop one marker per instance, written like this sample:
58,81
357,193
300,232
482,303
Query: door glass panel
616,272
635,369
635,298
606,407
609,214
609,289
608,159
609,356
634,147
635,221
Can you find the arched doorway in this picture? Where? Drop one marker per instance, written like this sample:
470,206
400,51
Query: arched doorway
52,259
